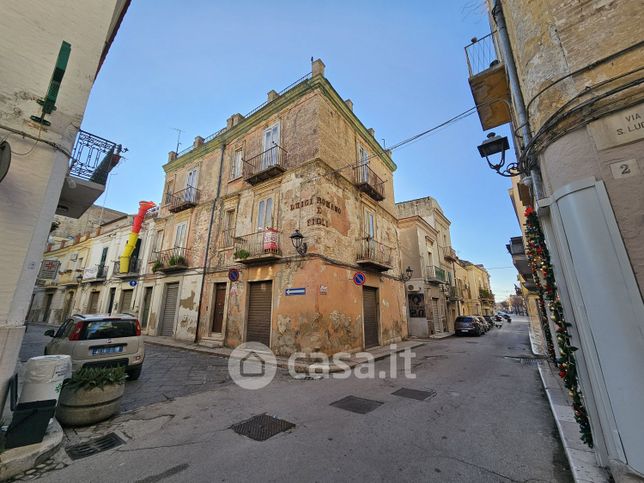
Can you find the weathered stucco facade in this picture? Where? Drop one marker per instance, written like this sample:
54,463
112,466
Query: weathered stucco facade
302,161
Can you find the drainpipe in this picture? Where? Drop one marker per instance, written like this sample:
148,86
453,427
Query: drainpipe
205,262
515,90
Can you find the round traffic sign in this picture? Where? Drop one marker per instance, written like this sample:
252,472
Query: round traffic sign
359,278
233,274
133,283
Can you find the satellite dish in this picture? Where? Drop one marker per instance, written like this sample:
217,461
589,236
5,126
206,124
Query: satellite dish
5,159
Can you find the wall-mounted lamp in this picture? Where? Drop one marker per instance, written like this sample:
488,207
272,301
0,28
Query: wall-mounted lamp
407,275
298,242
494,145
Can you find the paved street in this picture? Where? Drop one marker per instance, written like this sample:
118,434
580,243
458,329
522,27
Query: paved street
488,421
167,373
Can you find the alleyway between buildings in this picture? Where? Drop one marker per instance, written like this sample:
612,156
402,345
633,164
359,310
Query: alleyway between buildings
485,418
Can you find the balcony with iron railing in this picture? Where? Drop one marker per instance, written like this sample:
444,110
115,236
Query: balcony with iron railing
486,295
374,255
182,200
488,81
257,248
133,270
265,165
434,274
91,161
95,273
454,293
367,181
171,260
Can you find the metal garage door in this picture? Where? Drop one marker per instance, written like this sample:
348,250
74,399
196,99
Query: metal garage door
259,313
370,308
93,303
169,309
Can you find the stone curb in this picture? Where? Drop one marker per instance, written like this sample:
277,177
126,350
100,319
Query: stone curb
581,459
282,362
20,460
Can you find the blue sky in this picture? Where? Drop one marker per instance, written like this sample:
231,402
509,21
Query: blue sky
192,64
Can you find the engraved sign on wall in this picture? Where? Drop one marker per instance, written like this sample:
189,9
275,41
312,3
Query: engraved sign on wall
619,128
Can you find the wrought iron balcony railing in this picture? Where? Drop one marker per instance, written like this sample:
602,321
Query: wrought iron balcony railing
367,181
134,268
93,157
434,274
263,166
172,259
374,255
486,295
481,55
182,200
259,247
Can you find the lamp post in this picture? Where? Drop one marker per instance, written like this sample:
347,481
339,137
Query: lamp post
298,242
494,145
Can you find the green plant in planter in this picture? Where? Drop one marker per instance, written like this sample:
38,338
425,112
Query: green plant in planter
241,254
176,260
95,377
157,266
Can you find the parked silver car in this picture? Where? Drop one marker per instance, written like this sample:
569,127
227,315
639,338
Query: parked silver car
100,340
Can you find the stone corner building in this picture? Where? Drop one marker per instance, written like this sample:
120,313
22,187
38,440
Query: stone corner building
300,161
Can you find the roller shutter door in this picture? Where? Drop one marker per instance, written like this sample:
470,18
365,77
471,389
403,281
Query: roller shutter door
259,313
169,309
370,310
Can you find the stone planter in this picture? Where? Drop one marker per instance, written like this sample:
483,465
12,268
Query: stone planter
83,407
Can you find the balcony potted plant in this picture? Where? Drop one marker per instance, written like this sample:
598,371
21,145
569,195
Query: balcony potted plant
241,254
157,266
177,260
92,394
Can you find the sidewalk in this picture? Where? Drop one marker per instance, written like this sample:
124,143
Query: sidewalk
581,458
300,365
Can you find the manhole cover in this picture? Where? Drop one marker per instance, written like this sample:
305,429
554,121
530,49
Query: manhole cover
527,361
414,394
94,446
357,404
261,427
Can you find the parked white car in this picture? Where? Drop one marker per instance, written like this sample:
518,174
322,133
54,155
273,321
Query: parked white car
100,340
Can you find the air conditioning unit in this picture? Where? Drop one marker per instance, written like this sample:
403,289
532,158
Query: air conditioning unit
414,287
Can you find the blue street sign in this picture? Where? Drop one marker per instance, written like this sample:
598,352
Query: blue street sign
359,278
233,274
295,291
133,283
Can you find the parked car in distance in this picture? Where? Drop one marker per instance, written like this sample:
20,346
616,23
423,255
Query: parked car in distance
489,320
498,318
100,340
507,317
483,323
467,325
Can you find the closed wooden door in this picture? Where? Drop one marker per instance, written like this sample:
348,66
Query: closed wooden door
126,300
92,306
370,311
219,304
258,326
169,309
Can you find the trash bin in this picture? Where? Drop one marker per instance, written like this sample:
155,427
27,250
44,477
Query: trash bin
43,378
29,423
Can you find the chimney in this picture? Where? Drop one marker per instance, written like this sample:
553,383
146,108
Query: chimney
234,120
317,68
372,131
198,142
272,95
172,155
349,103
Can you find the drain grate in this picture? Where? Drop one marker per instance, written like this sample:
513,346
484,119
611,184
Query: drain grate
357,404
261,427
94,446
525,361
415,394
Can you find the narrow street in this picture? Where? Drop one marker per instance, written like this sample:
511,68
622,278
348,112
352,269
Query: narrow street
485,419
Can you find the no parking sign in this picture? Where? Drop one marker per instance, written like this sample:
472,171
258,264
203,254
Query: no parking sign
359,278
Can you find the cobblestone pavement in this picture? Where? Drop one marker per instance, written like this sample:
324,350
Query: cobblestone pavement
167,373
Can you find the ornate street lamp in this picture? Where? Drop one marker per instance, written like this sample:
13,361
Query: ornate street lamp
494,145
407,275
298,242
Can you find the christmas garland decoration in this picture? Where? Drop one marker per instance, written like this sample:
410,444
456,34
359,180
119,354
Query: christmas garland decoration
539,258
